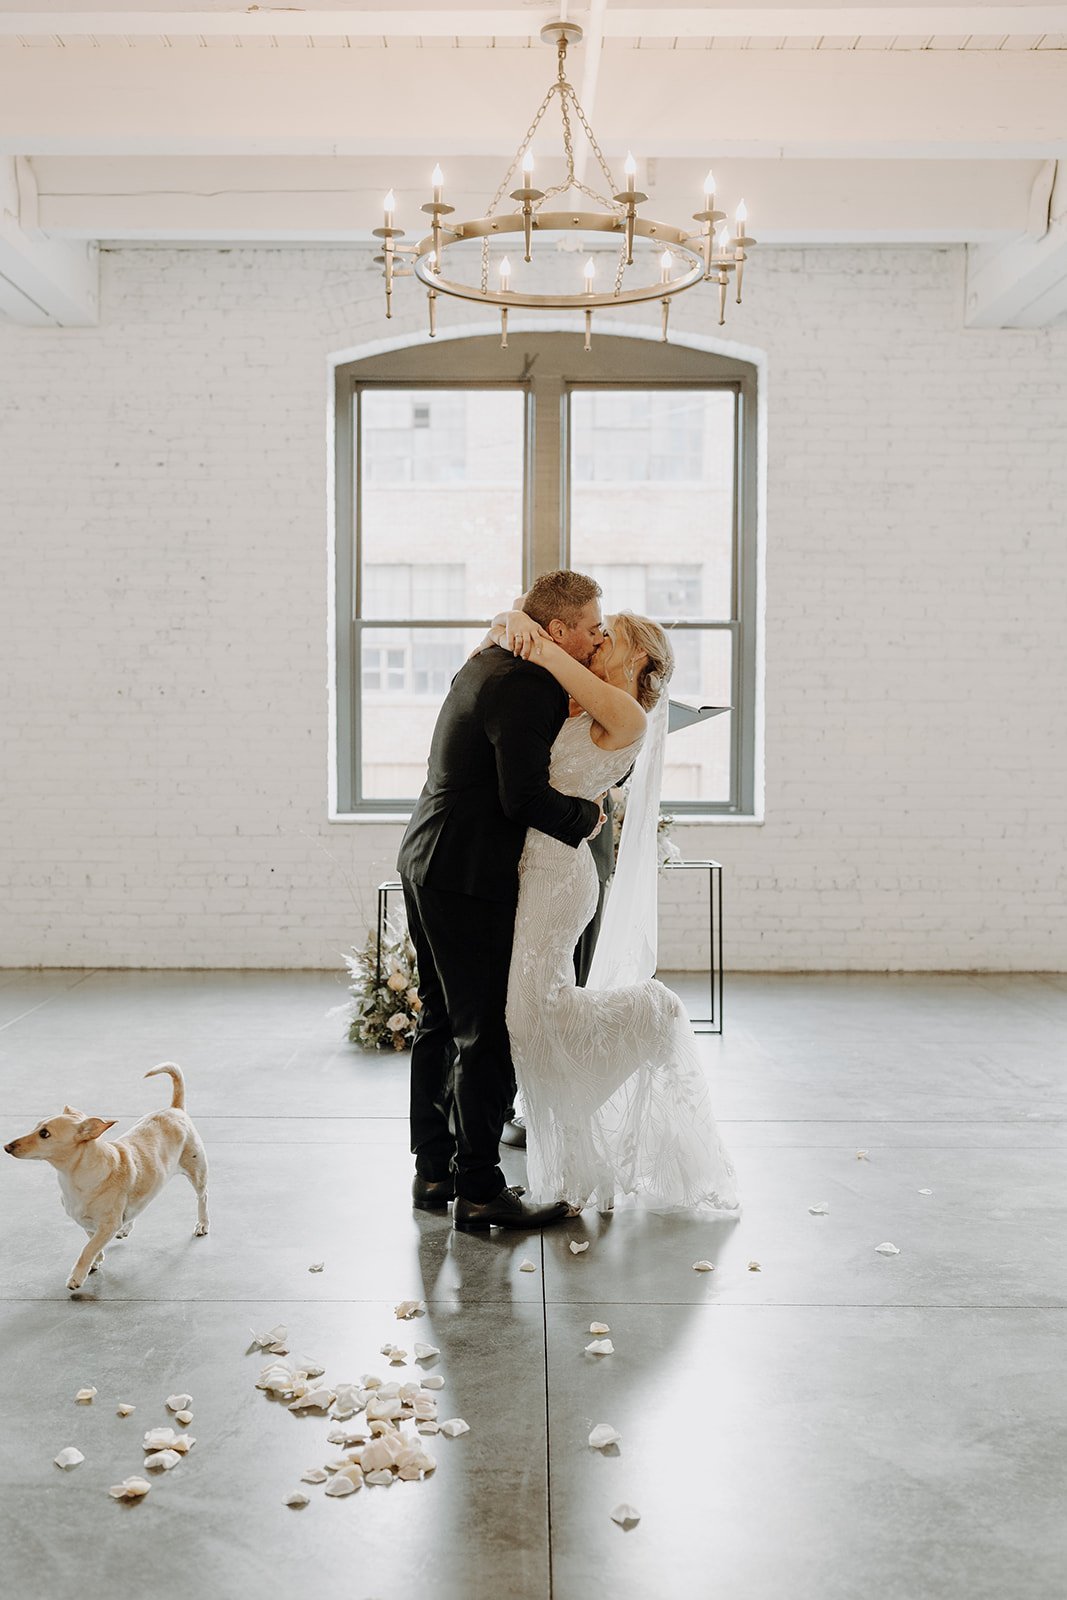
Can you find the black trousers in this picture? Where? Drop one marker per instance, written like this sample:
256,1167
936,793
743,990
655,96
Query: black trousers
461,1071
583,950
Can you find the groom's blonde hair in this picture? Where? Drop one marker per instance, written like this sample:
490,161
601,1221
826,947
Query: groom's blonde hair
559,595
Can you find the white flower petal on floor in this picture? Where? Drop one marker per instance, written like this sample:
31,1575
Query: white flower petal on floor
347,1436
316,1266
410,1308
184,1417
600,1347
427,1427
160,1439
527,1266
862,1155
887,1249
434,1381
297,1500
130,1489
70,1457
626,1516
703,1266
599,1327
603,1435
383,1410
426,1352
85,1397
179,1402
370,1380
576,1249
454,1427
754,1266
314,1400
310,1369
820,1210
162,1460
926,1191
275,1341
125,1409
381,1476
339,1486
314,1475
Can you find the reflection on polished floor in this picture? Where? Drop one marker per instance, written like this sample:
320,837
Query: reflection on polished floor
838,1424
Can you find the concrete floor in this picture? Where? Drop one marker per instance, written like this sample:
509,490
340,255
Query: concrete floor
840,1424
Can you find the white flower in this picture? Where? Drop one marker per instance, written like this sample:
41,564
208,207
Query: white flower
398,1021
412,997
397,981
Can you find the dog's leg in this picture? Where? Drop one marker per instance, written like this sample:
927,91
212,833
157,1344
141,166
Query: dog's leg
125,1231
95,1248
193,1162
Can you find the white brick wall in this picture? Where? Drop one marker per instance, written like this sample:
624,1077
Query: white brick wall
163,624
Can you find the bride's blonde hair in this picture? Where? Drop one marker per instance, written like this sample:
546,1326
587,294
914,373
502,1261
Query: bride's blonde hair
646,635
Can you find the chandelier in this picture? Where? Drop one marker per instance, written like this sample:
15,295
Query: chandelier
710,254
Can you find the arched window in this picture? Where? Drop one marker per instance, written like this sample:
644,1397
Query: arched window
464,470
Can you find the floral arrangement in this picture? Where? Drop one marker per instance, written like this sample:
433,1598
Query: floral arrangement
668,850
385,1003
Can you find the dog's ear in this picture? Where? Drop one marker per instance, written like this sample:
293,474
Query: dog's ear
72,1111
92,1128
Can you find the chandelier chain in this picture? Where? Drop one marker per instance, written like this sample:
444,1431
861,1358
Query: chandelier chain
509,174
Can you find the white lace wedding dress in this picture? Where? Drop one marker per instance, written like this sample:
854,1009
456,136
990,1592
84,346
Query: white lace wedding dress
616,1098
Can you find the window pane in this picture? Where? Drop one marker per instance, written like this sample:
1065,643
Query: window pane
652,476
406,674
698,757
441,474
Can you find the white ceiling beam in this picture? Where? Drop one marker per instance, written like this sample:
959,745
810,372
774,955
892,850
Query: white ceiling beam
524,22
875,104
1022,283
43,282
335,200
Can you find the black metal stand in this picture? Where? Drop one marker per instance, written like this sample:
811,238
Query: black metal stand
394,886
713,1022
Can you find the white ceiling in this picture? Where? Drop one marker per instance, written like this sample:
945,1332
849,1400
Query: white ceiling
841,124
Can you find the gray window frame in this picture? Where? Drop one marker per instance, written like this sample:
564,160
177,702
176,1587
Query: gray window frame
548,368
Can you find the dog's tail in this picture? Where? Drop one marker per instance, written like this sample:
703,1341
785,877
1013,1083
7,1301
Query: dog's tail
178,1079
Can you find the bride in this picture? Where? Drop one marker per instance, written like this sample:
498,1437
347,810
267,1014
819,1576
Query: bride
617,1102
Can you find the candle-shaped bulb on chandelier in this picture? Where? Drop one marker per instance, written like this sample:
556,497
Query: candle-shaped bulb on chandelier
741,218
665,267
709,190
437,178
589,273
630,169
390,208
504,270
527,169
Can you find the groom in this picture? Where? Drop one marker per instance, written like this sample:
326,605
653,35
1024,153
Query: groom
487,783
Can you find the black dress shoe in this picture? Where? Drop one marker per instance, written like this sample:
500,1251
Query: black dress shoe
514,1133
505,1210
429,1194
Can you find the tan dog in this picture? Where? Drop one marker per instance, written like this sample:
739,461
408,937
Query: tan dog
106,1183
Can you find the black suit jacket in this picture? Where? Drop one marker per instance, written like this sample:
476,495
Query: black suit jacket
488,780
